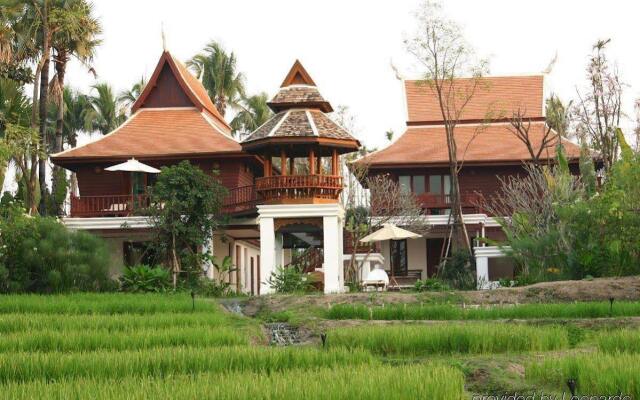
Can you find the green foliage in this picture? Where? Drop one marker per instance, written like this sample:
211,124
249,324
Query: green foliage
446,312
594,373
430,285
459,271
290,279
40,255
143,278
185,211
338,382
418,340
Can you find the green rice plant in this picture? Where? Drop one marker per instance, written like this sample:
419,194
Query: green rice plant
417,340
603,374
165,362
619,341
99,303
360,382
454,312
91,340
10,323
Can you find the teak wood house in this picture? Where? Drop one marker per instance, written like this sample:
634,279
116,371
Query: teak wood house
285,178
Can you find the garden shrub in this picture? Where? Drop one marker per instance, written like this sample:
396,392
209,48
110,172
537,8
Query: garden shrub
459,271
143,278
431,284
41,255
290,279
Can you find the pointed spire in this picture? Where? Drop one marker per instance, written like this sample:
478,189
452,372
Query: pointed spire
297,76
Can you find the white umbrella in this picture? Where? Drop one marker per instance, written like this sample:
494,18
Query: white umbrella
133,165
389,232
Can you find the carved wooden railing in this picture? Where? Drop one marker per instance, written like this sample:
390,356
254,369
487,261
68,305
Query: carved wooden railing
299,186
108,205
471,202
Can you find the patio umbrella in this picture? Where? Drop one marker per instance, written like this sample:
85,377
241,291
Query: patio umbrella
133,165
389,232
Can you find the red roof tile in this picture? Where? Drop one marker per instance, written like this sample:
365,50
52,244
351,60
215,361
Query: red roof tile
492,143
496,97
158,133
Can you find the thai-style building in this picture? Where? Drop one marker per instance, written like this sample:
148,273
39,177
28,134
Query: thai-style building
487,149
284,180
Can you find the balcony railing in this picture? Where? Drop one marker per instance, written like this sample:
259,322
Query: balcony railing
108,206
239,200
471,202
282,187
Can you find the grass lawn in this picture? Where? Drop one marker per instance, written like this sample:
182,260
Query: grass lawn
105,346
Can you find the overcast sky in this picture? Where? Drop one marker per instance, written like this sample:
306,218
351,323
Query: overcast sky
347,46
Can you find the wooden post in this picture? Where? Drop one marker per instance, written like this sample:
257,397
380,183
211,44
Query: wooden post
312,162
283,163
292,166
267,166
334,162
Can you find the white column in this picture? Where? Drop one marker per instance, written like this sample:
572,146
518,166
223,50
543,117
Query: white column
267,253
332,267
482,271
279,251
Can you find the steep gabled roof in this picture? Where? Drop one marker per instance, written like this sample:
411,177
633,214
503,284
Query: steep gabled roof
188,83
157,133
476,144
298,90
493,97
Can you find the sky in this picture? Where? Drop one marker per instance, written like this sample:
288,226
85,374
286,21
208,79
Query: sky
348,46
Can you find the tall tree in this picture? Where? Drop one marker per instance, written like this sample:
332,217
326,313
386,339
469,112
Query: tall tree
76,32
42,105
104,112
442,51
15,109
598,111
129,96
218,72
254,112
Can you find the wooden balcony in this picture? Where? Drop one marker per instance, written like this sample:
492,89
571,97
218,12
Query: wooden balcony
240,200
290,188
471,202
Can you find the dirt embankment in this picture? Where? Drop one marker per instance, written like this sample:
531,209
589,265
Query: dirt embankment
627,288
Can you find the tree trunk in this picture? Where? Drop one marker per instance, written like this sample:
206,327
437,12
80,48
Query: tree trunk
174,261
459,230
60,72
44,83
30,186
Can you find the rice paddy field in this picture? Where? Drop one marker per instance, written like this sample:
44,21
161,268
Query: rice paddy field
113,346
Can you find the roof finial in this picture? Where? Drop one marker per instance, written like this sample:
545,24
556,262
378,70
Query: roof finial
164,40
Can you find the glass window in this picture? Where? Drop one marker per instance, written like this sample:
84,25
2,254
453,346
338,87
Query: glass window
418,184
435,184
447,184
405,183
398,257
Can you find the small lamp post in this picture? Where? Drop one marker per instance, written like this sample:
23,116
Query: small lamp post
323,337
611,299
572,383
193,300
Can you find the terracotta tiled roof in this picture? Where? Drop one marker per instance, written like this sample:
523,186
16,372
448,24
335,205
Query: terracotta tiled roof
493,143
300,96
157,133
495,97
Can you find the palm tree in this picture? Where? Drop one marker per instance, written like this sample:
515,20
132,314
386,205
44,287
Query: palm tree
75,35
128,97
217,71
103,113
254,112
15,109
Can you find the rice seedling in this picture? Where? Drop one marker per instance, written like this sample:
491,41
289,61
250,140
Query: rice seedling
619,341
415,340
453,312
164,362
29,322
91,340
359,382
602,374
101,303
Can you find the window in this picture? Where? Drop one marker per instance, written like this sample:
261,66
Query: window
398,257
435,184
405,183
418,184
447,184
